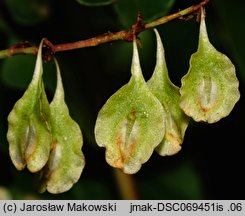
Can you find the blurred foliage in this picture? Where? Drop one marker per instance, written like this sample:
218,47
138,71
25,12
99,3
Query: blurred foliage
5,194
11,68
210,164
28,12
95,3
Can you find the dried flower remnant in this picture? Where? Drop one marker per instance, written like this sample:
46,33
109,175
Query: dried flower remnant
28,124
209,90
168,94
66,161
131,123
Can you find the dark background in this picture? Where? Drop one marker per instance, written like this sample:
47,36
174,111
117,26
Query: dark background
211,162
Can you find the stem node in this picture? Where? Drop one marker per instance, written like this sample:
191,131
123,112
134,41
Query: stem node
128,35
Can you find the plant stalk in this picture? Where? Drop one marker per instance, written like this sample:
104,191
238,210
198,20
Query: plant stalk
127,35
126,185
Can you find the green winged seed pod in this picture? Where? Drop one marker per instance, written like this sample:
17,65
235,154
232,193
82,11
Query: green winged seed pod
131,123
66,160
28,124
210,88
168,94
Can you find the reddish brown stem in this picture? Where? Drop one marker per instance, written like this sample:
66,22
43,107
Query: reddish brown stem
127,35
